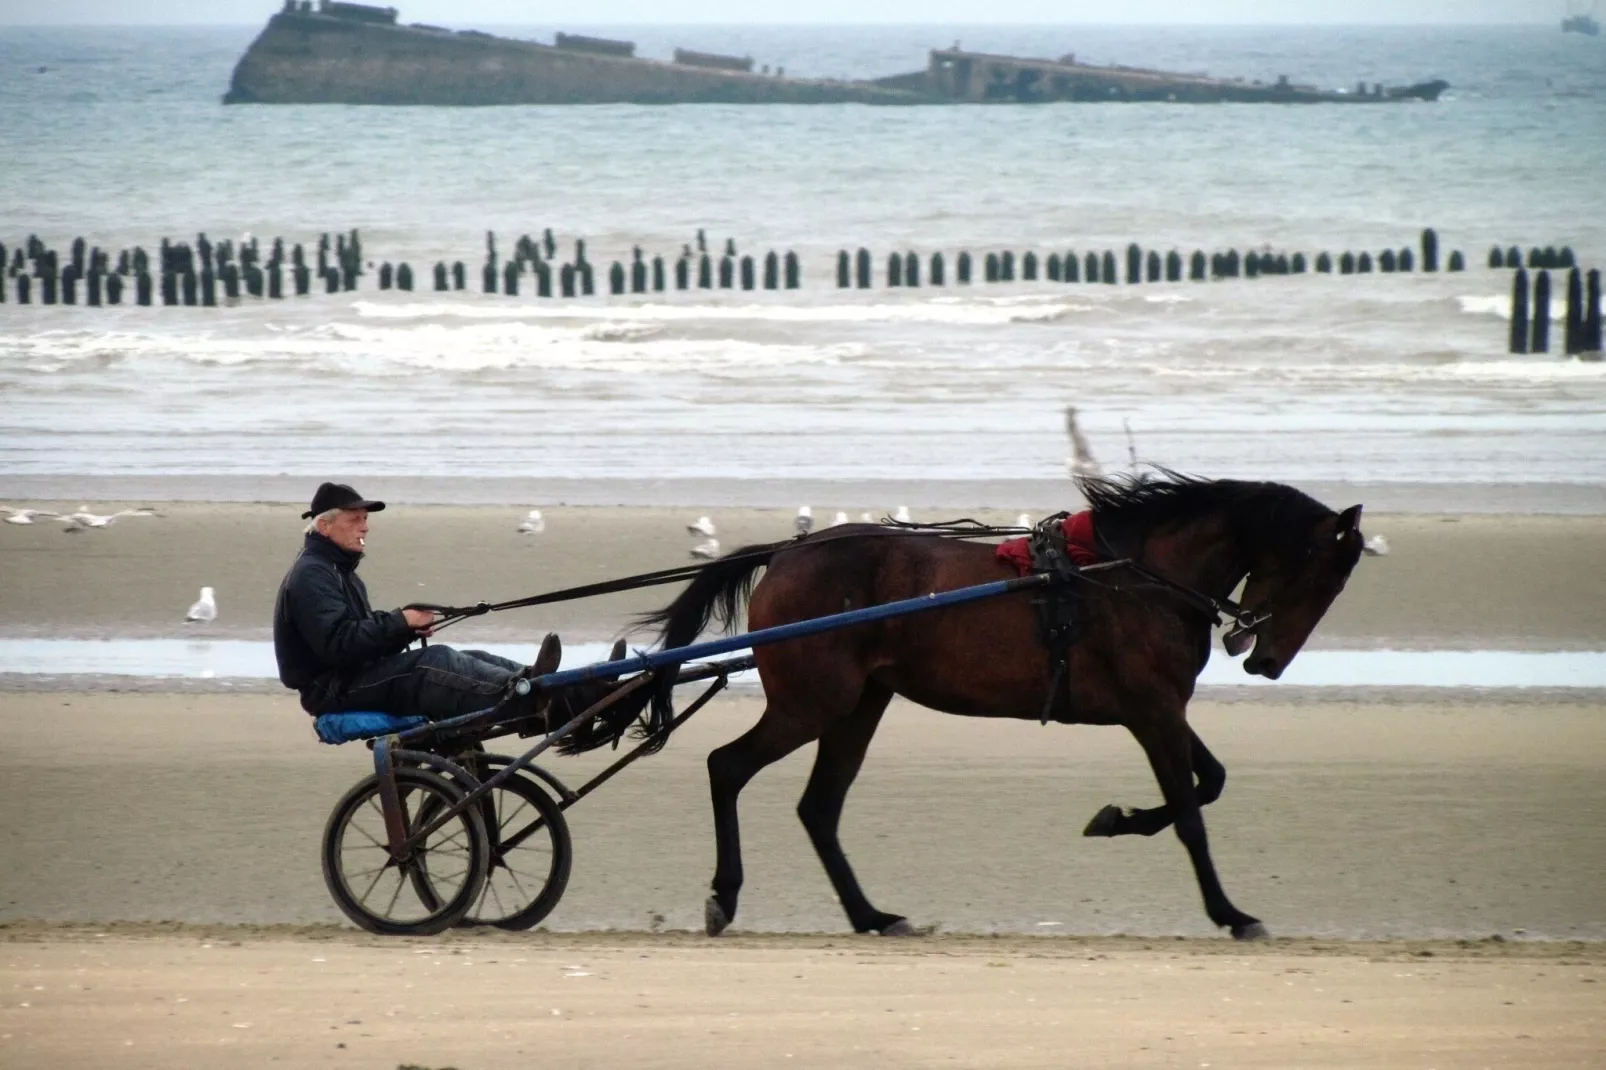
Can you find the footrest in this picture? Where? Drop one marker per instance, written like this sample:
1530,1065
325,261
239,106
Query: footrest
361,724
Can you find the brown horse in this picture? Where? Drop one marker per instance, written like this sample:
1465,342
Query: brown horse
1133,661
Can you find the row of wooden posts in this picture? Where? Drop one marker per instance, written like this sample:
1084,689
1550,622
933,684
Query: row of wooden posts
1530,321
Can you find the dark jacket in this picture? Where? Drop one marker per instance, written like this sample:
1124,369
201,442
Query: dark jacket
323,626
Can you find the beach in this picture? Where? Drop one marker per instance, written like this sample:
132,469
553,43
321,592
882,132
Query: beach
1450,581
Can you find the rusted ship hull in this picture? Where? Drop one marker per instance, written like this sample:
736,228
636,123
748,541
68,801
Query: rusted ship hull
312,58
345,53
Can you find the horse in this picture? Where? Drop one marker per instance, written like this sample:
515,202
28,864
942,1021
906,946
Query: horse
1133,661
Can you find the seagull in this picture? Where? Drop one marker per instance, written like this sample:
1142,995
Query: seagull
1023,521
204,609
704,526
83,518
865,518
804,522
25,516
1376,546
840,519
1080,462
902,515
707,549
532,524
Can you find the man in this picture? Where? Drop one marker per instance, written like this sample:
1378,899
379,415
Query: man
341,654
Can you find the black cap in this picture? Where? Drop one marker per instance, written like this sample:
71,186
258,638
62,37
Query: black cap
338,496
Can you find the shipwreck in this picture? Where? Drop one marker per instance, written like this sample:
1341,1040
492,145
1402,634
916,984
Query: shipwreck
347,53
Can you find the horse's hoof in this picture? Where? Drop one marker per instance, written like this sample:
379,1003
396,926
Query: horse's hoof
1253,931
1103,823
715,920
901,927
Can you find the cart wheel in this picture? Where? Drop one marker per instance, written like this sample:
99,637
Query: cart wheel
380,894
530,853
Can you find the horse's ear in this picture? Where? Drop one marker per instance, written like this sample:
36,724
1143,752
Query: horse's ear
1349,521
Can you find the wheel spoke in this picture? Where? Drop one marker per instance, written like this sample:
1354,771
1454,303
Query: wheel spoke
363,899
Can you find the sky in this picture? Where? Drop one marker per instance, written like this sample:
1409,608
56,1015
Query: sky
461,13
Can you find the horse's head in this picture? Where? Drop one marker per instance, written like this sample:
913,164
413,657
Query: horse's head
1291,584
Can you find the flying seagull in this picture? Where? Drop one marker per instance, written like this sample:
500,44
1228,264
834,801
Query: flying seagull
1376,546
25,516
1023,521
704,526
205,608
84,519
708,549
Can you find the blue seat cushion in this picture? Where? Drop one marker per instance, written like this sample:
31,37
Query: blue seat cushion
361,724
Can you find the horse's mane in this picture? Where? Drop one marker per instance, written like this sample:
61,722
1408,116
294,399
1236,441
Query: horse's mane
1132,505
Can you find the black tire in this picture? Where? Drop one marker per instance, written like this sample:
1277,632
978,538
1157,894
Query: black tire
530,853
357,862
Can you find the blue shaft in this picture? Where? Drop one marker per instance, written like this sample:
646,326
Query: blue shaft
781,633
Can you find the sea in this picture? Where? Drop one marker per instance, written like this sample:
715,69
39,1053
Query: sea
119,135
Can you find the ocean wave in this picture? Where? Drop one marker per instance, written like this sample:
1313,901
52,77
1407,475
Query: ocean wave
1486,305
942,310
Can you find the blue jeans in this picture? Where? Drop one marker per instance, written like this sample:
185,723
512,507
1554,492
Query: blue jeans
436,681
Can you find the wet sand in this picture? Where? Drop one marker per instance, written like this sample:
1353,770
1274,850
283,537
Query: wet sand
1340,819
122,999
1466,582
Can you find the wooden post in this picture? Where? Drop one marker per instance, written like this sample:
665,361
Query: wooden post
543,279
114,289
25,289
588,278
1296,266
1028,267
1134,264
1051,267
1591,341
936,269
1405,260
862,267
1197,269
303,279
1513,257
459,275
510,279
1497,257
683,273
989,271
1363,263
657,274
638,273
1385,261
772,271
404,277
1070,268
488,275
1346,263
276,281
1232,264
1251,265
616,279
385,275
894,270
1519,312
727,272
1108,268
1541,314
1572,332
844,269
142,289
1457,261
1173,266
91,289
1430,250
1091,266
566,280
440,276
747,271
69,287
1006,266
705,272
1152,263
792,270
911,269
962,269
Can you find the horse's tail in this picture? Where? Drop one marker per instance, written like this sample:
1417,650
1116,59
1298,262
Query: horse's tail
718,593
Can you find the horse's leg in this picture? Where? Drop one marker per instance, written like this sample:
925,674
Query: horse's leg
1114,821
1165,741
729,769
841,753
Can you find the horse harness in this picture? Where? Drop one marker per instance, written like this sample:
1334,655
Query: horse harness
1059,607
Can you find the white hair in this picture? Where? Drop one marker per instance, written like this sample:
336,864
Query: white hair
312,525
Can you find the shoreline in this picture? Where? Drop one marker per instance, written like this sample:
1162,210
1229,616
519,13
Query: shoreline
1042,495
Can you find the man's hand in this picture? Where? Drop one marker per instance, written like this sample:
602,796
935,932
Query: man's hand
420,621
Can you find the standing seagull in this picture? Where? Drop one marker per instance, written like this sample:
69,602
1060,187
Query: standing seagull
25,516
533,523
804,521
1080,462
205,609
704,526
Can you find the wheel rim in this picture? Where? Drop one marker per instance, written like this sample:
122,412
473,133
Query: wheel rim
382,894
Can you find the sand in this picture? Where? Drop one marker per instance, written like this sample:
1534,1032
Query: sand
1460,582
120,998
1376,820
